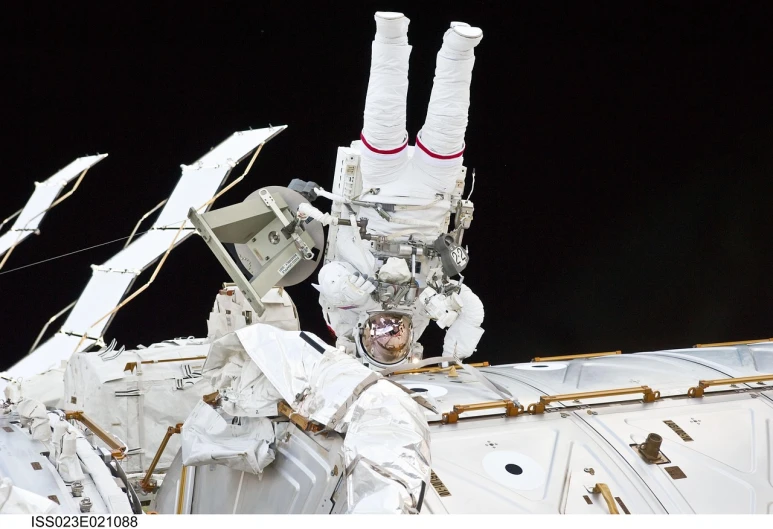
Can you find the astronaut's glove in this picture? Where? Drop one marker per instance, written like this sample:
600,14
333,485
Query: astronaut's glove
417,352
345,344
12,391
443,309
356,289
461,339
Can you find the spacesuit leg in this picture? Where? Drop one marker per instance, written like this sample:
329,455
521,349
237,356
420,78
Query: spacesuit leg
384,137
440,143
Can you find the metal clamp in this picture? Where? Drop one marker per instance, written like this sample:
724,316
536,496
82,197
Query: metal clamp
539,407
697,391
269,201
511,409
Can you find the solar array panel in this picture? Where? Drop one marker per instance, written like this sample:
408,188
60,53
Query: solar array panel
111,280
45,194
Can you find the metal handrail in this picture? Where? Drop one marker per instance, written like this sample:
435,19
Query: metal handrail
539,407
145,484
511,409
697,391
739,342
572,357
307,425
117,449
435,369
606,493
131,366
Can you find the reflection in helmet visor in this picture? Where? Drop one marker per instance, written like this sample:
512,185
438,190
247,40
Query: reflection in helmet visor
386,337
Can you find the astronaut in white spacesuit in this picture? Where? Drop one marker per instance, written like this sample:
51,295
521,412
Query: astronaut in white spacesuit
379,294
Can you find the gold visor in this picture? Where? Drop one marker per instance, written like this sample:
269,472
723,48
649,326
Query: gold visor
387,336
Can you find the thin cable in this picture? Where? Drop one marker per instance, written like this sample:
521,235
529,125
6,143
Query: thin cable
171,225
473,184
69,253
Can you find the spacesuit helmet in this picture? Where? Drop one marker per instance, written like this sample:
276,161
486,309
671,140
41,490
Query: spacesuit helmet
385,337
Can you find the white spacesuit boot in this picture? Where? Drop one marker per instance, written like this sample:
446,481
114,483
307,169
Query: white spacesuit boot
391,28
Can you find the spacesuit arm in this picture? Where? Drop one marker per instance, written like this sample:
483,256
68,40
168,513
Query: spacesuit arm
343,286
463,335
345,283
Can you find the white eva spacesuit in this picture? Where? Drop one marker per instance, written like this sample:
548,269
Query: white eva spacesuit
404,205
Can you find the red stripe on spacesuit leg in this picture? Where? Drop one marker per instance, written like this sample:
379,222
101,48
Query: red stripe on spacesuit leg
421,146
382,151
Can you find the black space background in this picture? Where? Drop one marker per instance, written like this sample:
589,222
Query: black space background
624,155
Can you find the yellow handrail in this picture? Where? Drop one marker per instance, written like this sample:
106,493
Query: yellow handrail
435,369
131,366
511,409
697,391
739,342
298,420
145,483
539,407
603,489
116,448
572,357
